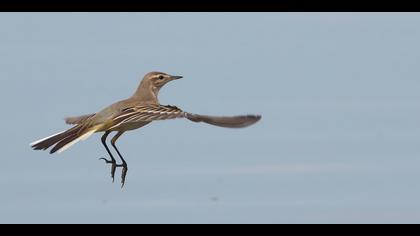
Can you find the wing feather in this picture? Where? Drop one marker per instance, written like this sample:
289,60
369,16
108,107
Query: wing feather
147,113
78,119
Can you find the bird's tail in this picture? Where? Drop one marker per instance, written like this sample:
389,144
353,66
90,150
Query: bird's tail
65,139
226,121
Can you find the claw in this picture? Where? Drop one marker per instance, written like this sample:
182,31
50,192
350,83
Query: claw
106,160
123,174
113,168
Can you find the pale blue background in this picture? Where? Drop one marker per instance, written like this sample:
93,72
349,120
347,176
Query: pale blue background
339,141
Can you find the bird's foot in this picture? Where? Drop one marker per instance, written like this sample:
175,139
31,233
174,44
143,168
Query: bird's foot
114,166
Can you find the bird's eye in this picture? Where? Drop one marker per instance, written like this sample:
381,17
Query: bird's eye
161,77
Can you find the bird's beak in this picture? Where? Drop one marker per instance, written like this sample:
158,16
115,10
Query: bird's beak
174,77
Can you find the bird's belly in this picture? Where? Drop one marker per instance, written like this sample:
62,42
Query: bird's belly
129,126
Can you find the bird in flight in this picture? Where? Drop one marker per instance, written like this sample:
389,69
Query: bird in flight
137,111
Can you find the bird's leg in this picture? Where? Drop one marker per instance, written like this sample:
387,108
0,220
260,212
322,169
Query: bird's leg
124,164
112,161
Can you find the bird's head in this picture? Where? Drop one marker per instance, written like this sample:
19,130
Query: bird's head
153,82
157,79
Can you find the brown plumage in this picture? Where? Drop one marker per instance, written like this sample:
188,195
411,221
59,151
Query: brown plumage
140,109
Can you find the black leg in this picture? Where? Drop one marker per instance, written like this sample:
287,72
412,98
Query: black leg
124,164
112,161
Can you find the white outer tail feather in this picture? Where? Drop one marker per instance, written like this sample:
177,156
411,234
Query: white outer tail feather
38,141
82,137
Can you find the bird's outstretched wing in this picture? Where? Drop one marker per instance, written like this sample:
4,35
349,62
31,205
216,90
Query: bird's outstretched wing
148,113
225,121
